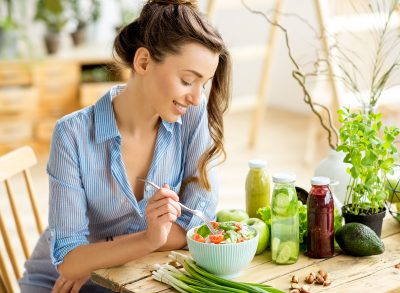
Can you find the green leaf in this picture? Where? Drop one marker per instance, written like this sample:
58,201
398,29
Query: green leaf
204,231
382,195
354,172
369,159
265,214
387,164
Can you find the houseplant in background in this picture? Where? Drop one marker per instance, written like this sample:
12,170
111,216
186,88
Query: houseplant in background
53,14
128,12
8,31
84,12
371,152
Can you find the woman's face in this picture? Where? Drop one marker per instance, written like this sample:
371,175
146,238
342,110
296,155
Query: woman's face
178,82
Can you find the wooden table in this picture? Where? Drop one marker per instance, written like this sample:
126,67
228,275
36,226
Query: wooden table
348,274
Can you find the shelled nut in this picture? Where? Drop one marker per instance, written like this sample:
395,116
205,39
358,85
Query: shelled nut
319,279
327,276
305,289
310,278
295,279
322,273
327,282
295,286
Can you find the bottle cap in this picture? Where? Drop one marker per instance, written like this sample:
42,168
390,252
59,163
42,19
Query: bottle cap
258,164
319,180
284,177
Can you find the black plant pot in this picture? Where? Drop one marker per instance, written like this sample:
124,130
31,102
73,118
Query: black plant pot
79,36
52,41
374,221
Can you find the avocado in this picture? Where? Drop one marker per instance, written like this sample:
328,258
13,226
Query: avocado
359,240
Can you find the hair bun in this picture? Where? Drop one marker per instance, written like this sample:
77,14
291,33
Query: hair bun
191,3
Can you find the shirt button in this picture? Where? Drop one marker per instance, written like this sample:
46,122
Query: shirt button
202,204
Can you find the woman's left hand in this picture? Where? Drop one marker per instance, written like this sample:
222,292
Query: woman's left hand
63,285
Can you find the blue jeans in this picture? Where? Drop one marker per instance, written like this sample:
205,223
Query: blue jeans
40,274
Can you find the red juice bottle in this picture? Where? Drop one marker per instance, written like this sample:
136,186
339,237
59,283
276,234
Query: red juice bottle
320,215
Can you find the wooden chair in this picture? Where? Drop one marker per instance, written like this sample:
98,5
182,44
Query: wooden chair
11,164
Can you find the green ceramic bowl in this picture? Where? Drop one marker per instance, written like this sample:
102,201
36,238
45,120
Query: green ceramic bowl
223,260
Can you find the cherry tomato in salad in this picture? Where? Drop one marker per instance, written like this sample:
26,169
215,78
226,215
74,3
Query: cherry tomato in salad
214,224
216,238
198,238
238,226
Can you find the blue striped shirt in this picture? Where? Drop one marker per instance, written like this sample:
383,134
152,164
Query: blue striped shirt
90,195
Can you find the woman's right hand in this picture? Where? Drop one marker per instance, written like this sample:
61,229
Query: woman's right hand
161,211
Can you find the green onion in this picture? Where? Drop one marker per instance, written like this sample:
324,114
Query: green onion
194,279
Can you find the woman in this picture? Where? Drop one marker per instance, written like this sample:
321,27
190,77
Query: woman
158,126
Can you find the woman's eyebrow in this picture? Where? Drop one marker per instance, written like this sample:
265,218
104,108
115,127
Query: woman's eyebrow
197,73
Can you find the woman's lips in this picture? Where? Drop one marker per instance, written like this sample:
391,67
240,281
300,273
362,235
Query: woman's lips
181,109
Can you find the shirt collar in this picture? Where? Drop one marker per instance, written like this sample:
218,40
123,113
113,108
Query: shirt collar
105,125
104,119
169,126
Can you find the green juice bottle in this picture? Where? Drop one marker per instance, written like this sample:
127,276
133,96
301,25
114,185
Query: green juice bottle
257,187
285,220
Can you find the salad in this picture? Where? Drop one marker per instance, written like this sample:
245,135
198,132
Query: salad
227,232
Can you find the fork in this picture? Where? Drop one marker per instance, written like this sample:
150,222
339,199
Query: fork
197,213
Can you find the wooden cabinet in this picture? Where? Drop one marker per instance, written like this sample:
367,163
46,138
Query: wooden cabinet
34,94
57,83
14,73
89,93
18,102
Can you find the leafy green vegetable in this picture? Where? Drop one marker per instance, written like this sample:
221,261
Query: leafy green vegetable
226,226
204,231
195,279
302,226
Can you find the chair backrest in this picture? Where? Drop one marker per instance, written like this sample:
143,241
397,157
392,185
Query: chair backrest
13,163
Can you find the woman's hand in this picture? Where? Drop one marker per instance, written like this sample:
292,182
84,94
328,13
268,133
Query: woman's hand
161,211
63,285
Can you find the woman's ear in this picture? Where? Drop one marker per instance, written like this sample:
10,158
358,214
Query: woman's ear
141,60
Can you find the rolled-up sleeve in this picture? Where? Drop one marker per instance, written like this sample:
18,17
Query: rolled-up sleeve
68,221
194,196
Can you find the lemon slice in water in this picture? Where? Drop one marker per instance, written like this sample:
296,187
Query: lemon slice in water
285,252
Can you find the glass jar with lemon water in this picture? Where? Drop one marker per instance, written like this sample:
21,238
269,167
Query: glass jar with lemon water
285,219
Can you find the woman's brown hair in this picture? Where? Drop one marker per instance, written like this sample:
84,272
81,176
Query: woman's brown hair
163,27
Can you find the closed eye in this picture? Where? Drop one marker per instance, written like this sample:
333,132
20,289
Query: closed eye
185,83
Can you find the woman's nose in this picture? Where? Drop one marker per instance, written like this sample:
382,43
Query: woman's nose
195,96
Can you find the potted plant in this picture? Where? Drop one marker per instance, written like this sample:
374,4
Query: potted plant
371,153
83,12
52,13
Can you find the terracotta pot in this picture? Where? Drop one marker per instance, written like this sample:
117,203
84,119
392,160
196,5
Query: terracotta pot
374,221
